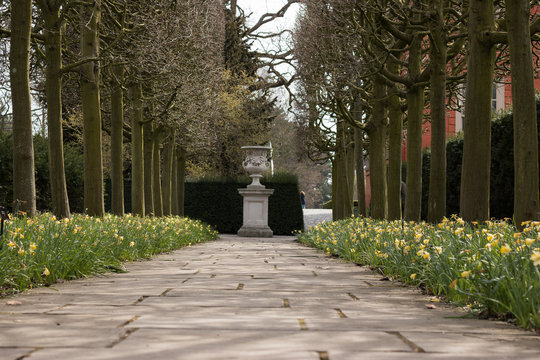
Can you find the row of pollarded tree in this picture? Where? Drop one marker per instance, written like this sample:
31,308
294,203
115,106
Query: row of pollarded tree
158,76
159,51
368,68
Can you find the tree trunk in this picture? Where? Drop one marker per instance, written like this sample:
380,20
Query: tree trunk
148,138
90,96
359,158
415,113
24,184
181,178
168,174
524,104
377,154
336,212
174,183
350,166
53,91
475,171
137,157
343,196
395,136
437,175
117,139
360,173
158,199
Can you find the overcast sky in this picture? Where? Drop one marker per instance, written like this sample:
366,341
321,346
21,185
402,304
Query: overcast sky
259,7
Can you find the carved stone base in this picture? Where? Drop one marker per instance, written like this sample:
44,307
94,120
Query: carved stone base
255,222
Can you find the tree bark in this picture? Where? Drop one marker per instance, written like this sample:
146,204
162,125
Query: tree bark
360,172
377,153
181,178
174,184
53,91
158,199
137,147
525,125
344,202
24,184
415,114
395,140
168,174
475,171
336,212
90,96
350,166
148,139
437,176
117,139
359,158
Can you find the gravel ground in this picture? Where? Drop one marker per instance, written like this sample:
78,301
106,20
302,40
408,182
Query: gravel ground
314,216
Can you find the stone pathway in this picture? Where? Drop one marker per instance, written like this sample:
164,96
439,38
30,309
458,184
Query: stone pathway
240,298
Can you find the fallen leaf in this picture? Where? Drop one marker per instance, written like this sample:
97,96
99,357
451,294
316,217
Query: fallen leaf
430,306
13,303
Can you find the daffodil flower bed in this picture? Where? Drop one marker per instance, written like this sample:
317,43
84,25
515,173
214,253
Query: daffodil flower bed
40,250
490,268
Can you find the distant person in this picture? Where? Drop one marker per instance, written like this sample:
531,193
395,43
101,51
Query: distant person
303,199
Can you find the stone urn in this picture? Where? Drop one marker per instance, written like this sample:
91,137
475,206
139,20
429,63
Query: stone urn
255,195
256,163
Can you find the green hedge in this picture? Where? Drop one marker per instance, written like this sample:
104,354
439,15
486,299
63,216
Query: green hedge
218,203
502,169
73,163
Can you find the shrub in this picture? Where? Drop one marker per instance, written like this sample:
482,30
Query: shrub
502,169
73,163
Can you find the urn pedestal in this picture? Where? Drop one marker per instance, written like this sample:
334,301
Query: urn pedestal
255,218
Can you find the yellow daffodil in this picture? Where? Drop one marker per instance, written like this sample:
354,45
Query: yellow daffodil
33,246
438,249
131,244
505,249
535,257
46,272
529,241
413,276
21,252
11,244
466,273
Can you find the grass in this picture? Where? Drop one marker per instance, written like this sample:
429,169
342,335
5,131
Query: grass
490,268
39,251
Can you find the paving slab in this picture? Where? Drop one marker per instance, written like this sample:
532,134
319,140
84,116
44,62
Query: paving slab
247,298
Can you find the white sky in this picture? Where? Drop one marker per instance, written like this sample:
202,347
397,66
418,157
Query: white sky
259,7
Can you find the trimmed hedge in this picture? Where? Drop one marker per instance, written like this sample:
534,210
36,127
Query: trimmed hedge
502,169
218,203
501,199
